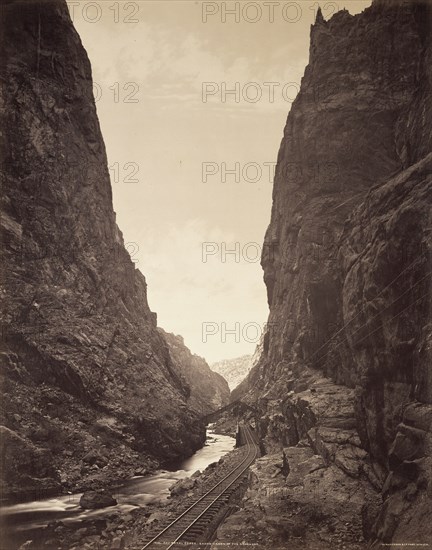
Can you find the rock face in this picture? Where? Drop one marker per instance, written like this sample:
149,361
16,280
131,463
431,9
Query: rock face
347,265
84,365
234,370
208,390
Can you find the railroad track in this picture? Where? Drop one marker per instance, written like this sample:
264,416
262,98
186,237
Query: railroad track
190,525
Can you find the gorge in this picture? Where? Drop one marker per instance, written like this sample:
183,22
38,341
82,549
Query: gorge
94,391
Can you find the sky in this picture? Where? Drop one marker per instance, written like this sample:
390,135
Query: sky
192,99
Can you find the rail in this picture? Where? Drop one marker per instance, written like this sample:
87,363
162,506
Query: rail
211,501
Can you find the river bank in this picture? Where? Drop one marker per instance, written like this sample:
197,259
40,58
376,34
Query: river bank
59,522
127,529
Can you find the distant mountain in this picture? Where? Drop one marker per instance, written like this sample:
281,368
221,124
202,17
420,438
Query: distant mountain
234,370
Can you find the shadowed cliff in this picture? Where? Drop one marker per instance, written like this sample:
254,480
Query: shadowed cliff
84,368
345,370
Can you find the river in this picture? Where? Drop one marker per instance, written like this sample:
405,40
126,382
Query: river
22,521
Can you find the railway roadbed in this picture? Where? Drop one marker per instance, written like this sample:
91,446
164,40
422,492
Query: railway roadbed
133,530
207,500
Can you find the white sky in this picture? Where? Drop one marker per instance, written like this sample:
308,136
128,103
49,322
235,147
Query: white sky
149,77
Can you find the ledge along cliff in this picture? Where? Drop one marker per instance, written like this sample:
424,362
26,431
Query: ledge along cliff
91,391
344,385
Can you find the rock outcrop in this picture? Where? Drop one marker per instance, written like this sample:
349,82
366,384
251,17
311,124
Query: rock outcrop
345,369
209,390
83,364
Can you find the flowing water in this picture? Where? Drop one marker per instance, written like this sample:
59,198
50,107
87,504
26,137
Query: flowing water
22,521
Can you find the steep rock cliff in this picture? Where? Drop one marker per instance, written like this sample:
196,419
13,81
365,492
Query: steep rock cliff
84,367
208,390
347,264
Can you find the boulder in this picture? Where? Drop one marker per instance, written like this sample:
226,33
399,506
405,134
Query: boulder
95,458
97,499
182,486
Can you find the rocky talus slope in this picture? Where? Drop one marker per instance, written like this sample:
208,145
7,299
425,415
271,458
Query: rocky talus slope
344,387
90,389
208,390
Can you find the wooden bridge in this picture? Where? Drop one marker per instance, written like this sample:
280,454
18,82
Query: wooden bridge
238,406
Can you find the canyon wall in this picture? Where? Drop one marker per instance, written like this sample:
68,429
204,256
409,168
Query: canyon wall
91,391
209,390
345,369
